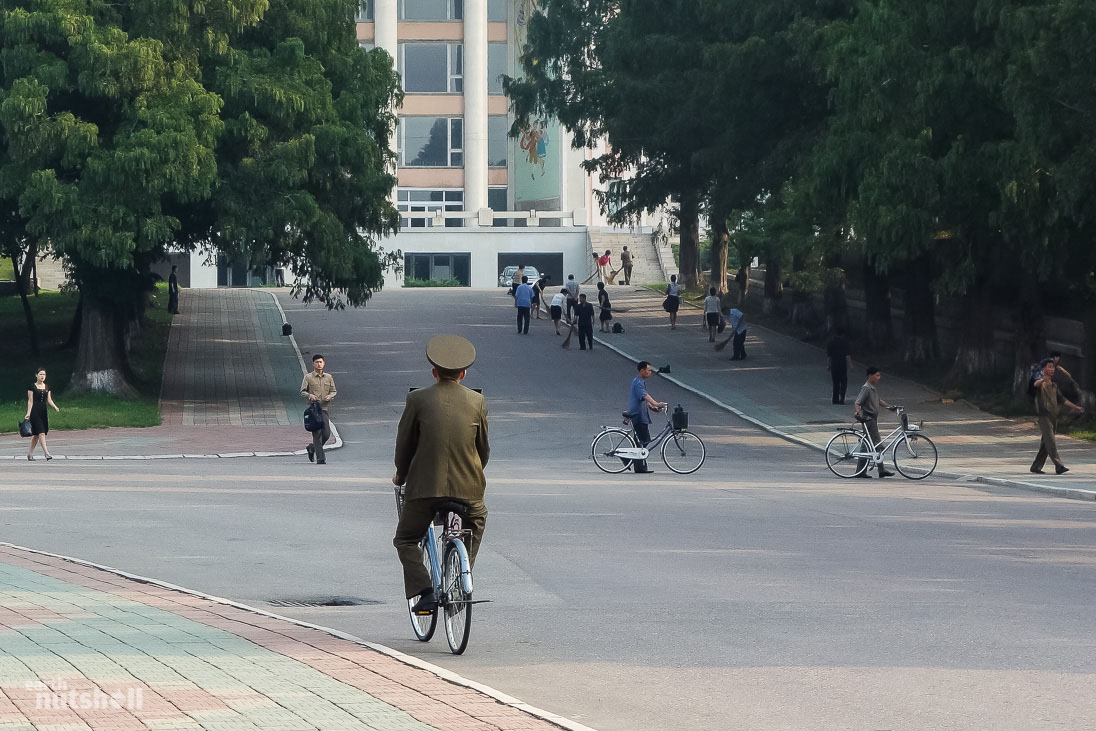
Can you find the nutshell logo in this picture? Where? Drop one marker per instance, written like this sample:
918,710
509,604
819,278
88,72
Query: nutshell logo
61,696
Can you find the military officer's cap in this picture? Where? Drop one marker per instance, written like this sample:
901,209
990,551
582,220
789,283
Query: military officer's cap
450,352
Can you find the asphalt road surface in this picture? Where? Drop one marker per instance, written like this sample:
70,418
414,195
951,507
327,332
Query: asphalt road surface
759,593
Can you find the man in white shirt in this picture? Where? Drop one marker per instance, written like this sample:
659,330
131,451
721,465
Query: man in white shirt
711,313
572,295
557,308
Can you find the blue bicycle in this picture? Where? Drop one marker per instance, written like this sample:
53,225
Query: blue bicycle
446,560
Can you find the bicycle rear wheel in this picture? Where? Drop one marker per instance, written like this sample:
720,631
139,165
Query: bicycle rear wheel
423,624
683,452
915,456
841,454
458,603
604,448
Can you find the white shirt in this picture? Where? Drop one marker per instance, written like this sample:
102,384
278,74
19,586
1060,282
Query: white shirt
673,289
711,304
572,287
558,300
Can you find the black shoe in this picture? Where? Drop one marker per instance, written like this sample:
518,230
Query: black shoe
1061,470
321,461
1036,472
311,453
49,457
426,603
643,472
864,475
885,473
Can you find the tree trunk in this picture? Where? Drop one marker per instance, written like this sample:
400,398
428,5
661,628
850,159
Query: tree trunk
877,308
976,354
919,323
21,287
101,361
742,280
774,287
720,240
689,250
834,299
802,302
74,327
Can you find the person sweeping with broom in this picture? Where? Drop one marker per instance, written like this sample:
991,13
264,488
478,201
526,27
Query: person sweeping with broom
737,326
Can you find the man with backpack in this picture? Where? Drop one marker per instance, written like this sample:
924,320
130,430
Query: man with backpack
1048,403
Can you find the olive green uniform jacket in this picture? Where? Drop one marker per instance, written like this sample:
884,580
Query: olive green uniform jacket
441,443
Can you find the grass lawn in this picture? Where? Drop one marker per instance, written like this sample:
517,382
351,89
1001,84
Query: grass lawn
53,312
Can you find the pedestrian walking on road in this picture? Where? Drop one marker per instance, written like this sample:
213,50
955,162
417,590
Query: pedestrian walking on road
584,311
640,404
516,280
1048,403
557,308
711,313
173,290
867,408
626,262
736,321
319,387
572,288
606,313
523,300
538,293
838,362
38,397
441,450
673,300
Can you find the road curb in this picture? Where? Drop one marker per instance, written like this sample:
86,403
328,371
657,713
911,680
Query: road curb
1067,492
441,672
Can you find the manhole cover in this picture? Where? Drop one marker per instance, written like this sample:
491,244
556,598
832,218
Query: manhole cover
330,601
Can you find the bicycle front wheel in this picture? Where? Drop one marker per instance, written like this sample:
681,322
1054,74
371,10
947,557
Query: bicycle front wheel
605,447
458,604
841,454
915,456
423,624
683,452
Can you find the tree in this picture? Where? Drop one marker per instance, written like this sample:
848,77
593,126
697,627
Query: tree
129,128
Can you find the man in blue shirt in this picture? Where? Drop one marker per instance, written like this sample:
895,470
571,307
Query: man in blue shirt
523,300
639,405
737,322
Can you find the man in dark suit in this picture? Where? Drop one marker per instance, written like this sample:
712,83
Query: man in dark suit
441,450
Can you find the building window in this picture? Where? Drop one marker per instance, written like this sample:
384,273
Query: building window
497,202
431,10
496,11
615,196
367,45
365,12
431,67
431,142
497,141
439,267
426,200
496,67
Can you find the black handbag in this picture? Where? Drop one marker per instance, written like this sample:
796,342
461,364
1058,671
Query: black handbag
313,417
25,429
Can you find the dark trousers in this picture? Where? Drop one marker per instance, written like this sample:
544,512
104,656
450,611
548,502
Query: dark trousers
571,308
840,378
872,425
1048,447
585,335
414,519
627,273
173,302
739,346
523,320
320,437
643,434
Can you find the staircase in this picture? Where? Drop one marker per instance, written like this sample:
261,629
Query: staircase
650,265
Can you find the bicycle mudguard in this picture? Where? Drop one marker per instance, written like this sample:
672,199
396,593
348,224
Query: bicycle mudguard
466,570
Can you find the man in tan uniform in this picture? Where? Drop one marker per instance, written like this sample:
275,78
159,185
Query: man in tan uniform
441,450
320,387
1048,403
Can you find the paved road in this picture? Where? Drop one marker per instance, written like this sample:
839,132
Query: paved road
759,594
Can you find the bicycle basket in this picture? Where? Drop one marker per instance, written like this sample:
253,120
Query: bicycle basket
680,419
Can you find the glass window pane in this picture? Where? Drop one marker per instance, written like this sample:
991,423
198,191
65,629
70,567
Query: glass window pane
365,11
496,67
456,9
496,199
425,142
497,142
496,11
424,9
424,67
458,133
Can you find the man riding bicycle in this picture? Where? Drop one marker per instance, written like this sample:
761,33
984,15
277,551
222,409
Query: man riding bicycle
640,405
441,450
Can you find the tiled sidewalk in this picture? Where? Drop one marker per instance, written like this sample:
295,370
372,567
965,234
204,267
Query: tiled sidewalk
82,648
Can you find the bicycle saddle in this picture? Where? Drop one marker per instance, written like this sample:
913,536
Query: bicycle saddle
627,415
452,505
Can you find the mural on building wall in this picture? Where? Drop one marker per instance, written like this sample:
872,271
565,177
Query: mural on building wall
536,166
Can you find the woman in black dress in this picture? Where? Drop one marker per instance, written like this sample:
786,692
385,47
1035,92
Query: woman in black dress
38,395
606,307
